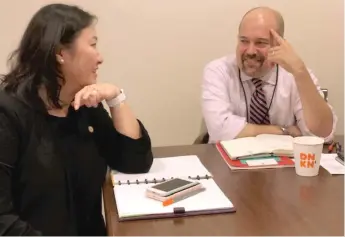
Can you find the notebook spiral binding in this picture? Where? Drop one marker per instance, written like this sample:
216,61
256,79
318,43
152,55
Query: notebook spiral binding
154,181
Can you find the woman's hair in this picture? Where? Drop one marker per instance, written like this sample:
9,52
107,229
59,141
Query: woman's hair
34,64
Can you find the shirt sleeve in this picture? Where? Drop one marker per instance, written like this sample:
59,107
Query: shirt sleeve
10,222
121,152
298,111
217,109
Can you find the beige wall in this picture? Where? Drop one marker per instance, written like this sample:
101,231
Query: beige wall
156,50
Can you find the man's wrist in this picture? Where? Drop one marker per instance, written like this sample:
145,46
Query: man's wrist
300,70
284,130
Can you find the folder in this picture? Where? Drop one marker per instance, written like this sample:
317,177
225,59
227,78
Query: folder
132,203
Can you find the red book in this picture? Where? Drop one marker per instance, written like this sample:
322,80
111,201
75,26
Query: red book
255,163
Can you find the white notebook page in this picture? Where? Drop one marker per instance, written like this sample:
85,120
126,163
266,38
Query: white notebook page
260,144
276,142
131,200
180,166
243,147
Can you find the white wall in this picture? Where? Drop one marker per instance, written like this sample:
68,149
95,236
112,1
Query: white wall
156,50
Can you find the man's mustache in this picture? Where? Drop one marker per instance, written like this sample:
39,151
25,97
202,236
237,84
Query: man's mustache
258,57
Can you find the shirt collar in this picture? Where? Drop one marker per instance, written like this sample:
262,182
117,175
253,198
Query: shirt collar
269,78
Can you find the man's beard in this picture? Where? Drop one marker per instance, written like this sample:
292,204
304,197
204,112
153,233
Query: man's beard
259,60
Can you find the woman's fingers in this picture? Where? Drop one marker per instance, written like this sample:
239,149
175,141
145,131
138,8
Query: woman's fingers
88,96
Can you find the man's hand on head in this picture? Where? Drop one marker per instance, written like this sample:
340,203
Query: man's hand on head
284,55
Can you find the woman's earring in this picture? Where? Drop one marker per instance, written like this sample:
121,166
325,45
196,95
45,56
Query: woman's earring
62,61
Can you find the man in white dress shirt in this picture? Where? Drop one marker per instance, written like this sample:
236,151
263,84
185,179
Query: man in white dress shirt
264,88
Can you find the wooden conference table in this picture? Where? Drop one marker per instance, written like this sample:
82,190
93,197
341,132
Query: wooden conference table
268,202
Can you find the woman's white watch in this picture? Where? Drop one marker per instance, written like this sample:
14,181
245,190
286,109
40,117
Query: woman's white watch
117,100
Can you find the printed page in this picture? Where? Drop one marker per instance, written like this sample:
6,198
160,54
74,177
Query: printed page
333,166
171,167
131,200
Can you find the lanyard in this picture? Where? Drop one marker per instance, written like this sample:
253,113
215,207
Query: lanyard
245,96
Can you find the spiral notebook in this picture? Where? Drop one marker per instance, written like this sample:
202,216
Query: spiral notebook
132,204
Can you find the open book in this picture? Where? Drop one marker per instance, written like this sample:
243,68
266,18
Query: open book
260,146
132,204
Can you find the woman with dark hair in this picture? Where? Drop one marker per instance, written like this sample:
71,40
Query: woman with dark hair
56,138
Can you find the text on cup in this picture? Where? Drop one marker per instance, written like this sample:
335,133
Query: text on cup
307,160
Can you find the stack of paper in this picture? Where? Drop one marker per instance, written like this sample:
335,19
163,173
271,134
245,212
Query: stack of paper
333,166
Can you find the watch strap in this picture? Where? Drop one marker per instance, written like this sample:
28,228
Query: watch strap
285,131
117,100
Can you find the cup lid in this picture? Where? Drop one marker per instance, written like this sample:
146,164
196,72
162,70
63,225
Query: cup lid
308,140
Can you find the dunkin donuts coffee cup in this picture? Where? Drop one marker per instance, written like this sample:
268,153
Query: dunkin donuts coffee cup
307,154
